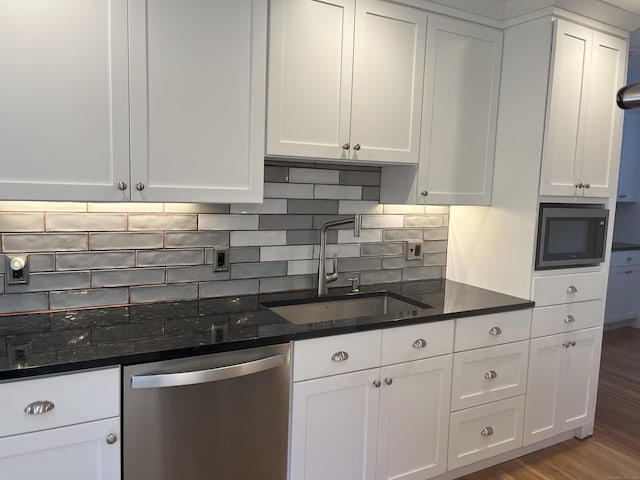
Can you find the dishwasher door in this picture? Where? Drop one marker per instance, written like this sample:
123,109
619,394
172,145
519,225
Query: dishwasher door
218,417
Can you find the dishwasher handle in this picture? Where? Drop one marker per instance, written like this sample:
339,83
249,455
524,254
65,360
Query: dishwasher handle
164,380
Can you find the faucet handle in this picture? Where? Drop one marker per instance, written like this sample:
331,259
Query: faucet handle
355,284
333,276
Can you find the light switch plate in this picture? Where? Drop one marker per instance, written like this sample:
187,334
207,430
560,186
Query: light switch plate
220,259
413,250
17,269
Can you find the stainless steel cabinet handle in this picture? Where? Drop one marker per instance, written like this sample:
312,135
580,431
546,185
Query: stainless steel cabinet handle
122,186
356,146
346,146
164,380
579,185
572,289
622,196
569,319
587,185
629,259
487,432
39,407
388,381
424,193
628,272
495,331
340,356
139,186
112,438
419,343
376,383
490,375
571,343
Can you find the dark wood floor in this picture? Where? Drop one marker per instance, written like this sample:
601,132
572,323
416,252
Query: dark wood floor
613,452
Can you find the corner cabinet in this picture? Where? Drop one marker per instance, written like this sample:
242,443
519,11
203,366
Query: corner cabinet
141,101
76,436
345,80
583,127
460,108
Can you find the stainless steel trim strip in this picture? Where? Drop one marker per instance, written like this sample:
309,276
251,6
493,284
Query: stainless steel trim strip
206,376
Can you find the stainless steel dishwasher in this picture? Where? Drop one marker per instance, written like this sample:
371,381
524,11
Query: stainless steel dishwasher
220,417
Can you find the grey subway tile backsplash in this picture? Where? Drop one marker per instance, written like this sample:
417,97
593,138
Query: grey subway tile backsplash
95,260
106,254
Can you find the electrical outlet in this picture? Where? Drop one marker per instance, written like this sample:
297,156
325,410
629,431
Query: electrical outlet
220,259
413,250
17,269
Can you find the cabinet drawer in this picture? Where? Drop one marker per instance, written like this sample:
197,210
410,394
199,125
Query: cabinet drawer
627,257
414,342
569,288
489,374
76,398
482,432
494,329
337,354
566,317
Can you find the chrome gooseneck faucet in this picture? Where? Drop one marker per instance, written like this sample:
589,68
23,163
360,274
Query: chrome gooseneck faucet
323,277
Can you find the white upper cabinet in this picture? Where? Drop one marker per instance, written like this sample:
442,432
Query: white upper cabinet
345,80
582,135
64,112
197,100
629,158
460,113
462,80
135,101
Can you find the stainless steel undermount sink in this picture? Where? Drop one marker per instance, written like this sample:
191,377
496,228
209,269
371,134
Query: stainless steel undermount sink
330,308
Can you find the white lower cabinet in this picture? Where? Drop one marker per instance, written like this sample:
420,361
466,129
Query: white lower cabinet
623,302
413,424
383,422
77,452
63,427
562,383
388,423
482,432
334,427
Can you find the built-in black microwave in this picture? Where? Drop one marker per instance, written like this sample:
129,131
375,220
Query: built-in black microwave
571,235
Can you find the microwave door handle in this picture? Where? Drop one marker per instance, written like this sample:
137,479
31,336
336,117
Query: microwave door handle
179,379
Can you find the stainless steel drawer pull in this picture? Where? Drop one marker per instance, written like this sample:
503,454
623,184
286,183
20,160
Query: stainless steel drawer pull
569,319
376,383
495,331
629,259
420,343
572,343
490,375
487,432
112,438
39,407
165,380
340,356
388,381
572,289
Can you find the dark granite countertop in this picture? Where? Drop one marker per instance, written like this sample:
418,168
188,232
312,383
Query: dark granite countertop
621,246
53,342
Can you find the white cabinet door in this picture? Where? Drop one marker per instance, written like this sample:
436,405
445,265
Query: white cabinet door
603,119
334,427
388,70
345,80
64,121
568,87
561,388
414,419
78,452
310,74
198,72
460,112
583,128
622,294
